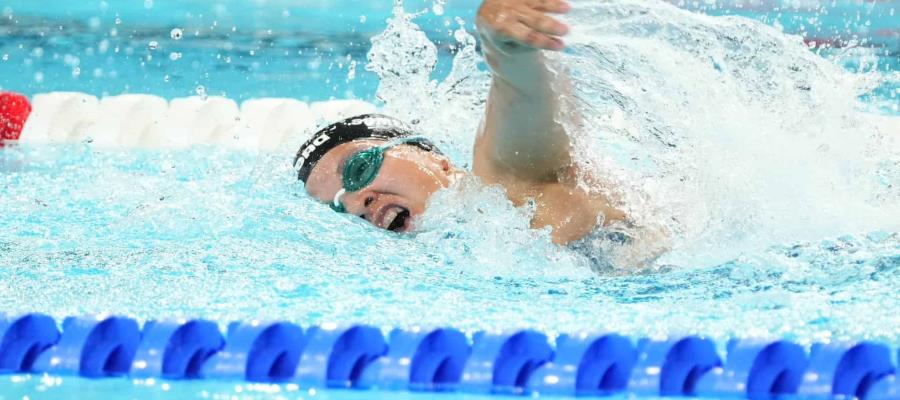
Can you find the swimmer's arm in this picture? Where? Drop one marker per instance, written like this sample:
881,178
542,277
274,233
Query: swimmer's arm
520,135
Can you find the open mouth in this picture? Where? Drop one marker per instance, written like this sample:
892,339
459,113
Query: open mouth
395,219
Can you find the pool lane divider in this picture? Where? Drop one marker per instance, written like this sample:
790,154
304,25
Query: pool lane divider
518,362
148,121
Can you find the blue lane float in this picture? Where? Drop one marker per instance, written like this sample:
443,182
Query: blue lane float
887,388
759,369
93,347
420,360
23,339
444,359
176,350
586,365
338,356
846,369
672,367
504,362
257,352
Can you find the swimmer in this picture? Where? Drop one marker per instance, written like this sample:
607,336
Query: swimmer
377,168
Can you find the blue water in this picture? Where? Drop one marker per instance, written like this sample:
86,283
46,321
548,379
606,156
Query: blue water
284,48
228,235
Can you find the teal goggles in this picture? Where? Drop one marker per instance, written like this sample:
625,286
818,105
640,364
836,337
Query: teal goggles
361,169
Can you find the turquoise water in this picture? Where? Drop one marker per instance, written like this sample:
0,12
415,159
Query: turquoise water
299,49
229,235
33,387
129,233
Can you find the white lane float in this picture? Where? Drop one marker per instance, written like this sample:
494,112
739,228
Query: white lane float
146,121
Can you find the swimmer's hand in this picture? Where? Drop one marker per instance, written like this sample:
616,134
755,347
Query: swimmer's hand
523,24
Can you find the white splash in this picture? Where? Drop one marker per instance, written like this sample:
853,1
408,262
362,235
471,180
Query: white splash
725,132
728,132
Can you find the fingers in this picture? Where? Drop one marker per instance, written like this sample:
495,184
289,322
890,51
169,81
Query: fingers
550,6
525,34
542,23
525,21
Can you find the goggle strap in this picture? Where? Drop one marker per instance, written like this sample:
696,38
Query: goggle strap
336,204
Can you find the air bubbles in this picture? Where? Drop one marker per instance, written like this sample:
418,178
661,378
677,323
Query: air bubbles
362,19
148,4
39,77
118,20
153,45
174,56
176,34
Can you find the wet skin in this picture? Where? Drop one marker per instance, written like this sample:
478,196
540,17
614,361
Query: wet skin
398,194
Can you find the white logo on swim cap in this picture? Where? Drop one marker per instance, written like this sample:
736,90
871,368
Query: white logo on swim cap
311,148
381,123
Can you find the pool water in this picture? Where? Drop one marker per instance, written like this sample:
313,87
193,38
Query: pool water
230,235
300,49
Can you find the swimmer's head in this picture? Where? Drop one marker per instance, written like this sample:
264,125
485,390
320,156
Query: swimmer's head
375,167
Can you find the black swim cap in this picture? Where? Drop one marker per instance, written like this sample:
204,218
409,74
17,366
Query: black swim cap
367,126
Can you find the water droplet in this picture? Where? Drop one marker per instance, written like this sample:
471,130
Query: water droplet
351,73
153,45
201,91
176,34
438,7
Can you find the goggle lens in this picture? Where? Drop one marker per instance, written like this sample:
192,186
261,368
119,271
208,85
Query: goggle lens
361,169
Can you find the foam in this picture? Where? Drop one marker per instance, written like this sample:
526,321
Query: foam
147,121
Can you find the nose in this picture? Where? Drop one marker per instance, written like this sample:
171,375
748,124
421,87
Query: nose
361,203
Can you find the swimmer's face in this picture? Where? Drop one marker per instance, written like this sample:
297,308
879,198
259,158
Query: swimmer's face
398,194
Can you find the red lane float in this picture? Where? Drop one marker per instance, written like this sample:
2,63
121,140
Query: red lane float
14,111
